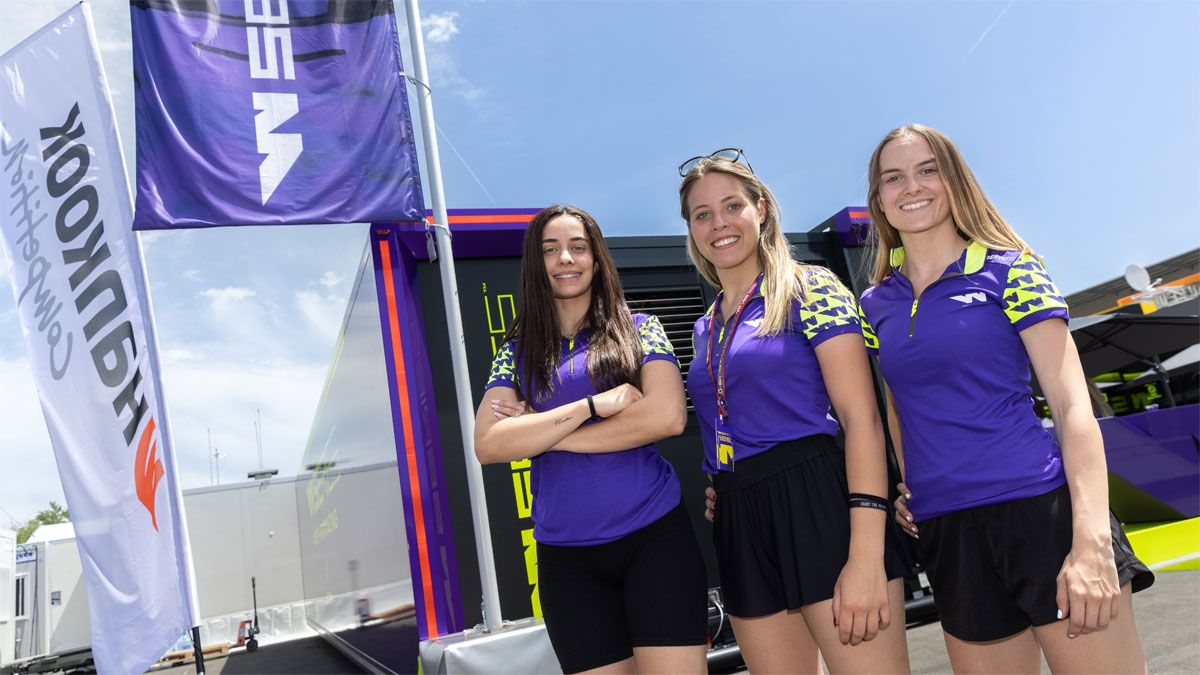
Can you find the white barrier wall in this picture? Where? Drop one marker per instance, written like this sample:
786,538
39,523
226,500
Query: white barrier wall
239,531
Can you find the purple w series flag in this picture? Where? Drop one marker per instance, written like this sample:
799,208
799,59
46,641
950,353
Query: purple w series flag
271,112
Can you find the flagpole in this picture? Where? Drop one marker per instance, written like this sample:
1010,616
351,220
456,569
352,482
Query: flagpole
458,352
183,541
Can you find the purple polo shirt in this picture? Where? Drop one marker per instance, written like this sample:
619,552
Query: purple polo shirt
774,389
959,375
586,499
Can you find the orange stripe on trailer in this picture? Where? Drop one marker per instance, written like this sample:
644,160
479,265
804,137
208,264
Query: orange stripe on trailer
1186,281
410,453
498,218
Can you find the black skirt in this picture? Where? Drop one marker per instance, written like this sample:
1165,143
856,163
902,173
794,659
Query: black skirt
782,528
994,568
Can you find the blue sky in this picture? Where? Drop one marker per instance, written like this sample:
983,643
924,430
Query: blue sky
1081,119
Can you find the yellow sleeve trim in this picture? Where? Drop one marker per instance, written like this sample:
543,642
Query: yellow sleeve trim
504,365
1029,289
827,304
654,338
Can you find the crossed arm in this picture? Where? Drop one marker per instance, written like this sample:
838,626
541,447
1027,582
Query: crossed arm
630,418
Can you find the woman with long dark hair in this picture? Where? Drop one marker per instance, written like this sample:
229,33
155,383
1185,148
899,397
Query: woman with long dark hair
584,389
1019,544
800,529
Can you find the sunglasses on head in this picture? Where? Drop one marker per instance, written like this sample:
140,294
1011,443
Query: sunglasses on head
725,154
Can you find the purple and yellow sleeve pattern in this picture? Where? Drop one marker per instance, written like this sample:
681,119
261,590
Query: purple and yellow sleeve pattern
870,338
504,368
655,344
1030,296
828,309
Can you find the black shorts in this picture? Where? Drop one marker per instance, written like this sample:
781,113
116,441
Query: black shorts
646,589
994,568
782,528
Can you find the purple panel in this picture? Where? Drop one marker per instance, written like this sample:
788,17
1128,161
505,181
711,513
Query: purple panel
1159,452
397,423
430,475
476,233
444,560
853,226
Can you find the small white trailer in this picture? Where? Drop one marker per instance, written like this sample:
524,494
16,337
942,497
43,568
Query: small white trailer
50,607
8,564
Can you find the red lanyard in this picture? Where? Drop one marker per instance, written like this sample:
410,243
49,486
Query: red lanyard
719,380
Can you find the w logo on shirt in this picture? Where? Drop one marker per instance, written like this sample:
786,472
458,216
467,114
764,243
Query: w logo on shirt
968,298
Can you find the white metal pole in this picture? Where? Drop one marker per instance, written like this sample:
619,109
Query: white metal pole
458,351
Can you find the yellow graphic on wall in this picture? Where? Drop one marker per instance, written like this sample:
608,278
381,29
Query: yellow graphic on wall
501,311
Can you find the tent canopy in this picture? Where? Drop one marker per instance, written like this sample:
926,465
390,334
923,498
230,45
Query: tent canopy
1110,342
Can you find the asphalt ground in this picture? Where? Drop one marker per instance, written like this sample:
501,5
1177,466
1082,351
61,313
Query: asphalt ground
1168,619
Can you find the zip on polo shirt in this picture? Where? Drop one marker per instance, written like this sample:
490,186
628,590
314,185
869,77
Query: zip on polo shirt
972,262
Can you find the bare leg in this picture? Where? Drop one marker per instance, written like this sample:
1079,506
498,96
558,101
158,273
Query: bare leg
666,660
625,667
778,643
1013,654
1116,649
886,653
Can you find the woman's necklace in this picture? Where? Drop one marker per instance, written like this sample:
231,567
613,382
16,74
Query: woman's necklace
570,338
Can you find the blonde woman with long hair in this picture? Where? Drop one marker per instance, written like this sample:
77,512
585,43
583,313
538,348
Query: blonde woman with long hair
800,529
1019,544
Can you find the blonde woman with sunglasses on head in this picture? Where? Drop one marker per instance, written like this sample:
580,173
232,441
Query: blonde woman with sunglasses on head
800,526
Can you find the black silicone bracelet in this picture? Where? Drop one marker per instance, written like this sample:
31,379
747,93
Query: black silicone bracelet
592,406
863,500
859,502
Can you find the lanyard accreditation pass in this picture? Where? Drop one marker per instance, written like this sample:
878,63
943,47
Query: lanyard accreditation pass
723,428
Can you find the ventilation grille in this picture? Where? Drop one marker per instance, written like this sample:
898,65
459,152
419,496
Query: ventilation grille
677,309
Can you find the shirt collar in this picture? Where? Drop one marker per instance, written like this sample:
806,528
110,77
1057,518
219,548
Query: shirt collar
758,293
971,261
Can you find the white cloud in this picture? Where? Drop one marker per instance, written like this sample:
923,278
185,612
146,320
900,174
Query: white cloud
30,476
192,275
331,279
203,392
151,237
322,313
444,73
440,28
173,356
221,297
221,396
446,76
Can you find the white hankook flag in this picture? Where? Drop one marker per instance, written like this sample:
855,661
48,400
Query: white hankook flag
76,271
